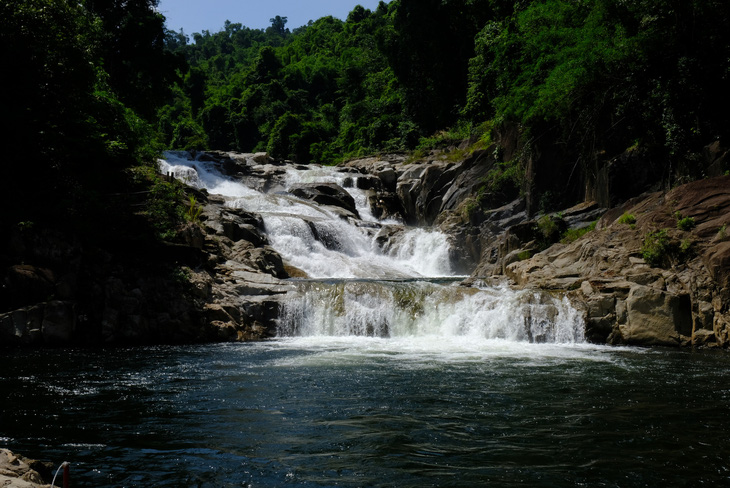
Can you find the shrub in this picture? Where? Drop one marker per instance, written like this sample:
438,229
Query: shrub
470,206
164,208
628,219
181,275
687,223
547,227
523,255
722,233
684,223
194,210
656,248
503,182
572,235
686,247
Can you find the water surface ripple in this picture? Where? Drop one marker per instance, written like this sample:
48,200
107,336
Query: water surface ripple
367,412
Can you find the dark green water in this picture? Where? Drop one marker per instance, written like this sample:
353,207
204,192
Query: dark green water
351,412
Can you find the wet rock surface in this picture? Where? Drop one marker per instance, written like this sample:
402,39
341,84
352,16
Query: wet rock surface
222,281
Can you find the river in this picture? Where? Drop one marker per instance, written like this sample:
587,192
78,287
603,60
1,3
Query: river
386,372
371,412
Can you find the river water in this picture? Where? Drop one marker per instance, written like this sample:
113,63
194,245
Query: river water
371,412
385,373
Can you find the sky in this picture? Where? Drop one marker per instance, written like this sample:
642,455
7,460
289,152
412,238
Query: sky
198,15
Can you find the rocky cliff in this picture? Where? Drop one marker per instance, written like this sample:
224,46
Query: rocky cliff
221,281
654,271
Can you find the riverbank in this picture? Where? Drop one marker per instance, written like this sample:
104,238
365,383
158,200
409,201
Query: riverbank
17,471
220,279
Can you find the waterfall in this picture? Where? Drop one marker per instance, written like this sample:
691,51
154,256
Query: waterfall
363,284
423,308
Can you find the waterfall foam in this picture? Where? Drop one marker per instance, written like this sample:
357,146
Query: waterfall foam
422,308
360,286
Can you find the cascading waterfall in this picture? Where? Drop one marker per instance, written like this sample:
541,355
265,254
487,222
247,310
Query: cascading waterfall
422,308
358,288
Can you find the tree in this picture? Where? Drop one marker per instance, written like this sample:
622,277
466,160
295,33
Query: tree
132,45
63,118
278,26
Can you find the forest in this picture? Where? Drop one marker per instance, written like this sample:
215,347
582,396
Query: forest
97,88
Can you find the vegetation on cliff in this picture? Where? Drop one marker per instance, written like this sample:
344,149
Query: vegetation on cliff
582,82
83,84
98,86
553,101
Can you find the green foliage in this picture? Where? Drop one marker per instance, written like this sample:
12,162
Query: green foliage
194,210
181,275
316,94
686,246
86,77
547,227
524,255
26,225
685,223
627,219
572,235
722,233
163,207
469,207
583,78
579,79
325,91
660,250
656,248
503,182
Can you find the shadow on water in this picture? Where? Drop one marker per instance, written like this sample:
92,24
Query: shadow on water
372,412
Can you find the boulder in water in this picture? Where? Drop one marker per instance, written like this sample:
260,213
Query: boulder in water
329,194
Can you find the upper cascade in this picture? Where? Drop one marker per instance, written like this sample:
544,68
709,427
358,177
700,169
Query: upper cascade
322,240
367,276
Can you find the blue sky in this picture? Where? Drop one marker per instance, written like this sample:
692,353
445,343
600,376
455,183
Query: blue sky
198,15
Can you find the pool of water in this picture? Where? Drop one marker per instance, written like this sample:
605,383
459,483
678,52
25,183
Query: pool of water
369,412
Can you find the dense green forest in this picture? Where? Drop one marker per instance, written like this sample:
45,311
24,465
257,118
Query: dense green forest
96,88
82,85
597,76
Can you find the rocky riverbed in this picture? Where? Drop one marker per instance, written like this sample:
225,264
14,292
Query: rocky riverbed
228,283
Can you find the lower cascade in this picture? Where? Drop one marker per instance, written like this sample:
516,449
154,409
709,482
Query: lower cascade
369,277
424,308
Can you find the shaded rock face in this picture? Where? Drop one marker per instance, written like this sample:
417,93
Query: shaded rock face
420,191
428,193
685,302
85,295
222,281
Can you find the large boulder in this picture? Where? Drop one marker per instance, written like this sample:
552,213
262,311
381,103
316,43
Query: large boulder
19,472
651,317
329,194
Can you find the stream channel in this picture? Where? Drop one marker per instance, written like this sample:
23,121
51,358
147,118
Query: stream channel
385,373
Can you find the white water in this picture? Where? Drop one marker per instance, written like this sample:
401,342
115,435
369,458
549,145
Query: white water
356,289
421,309
349,251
